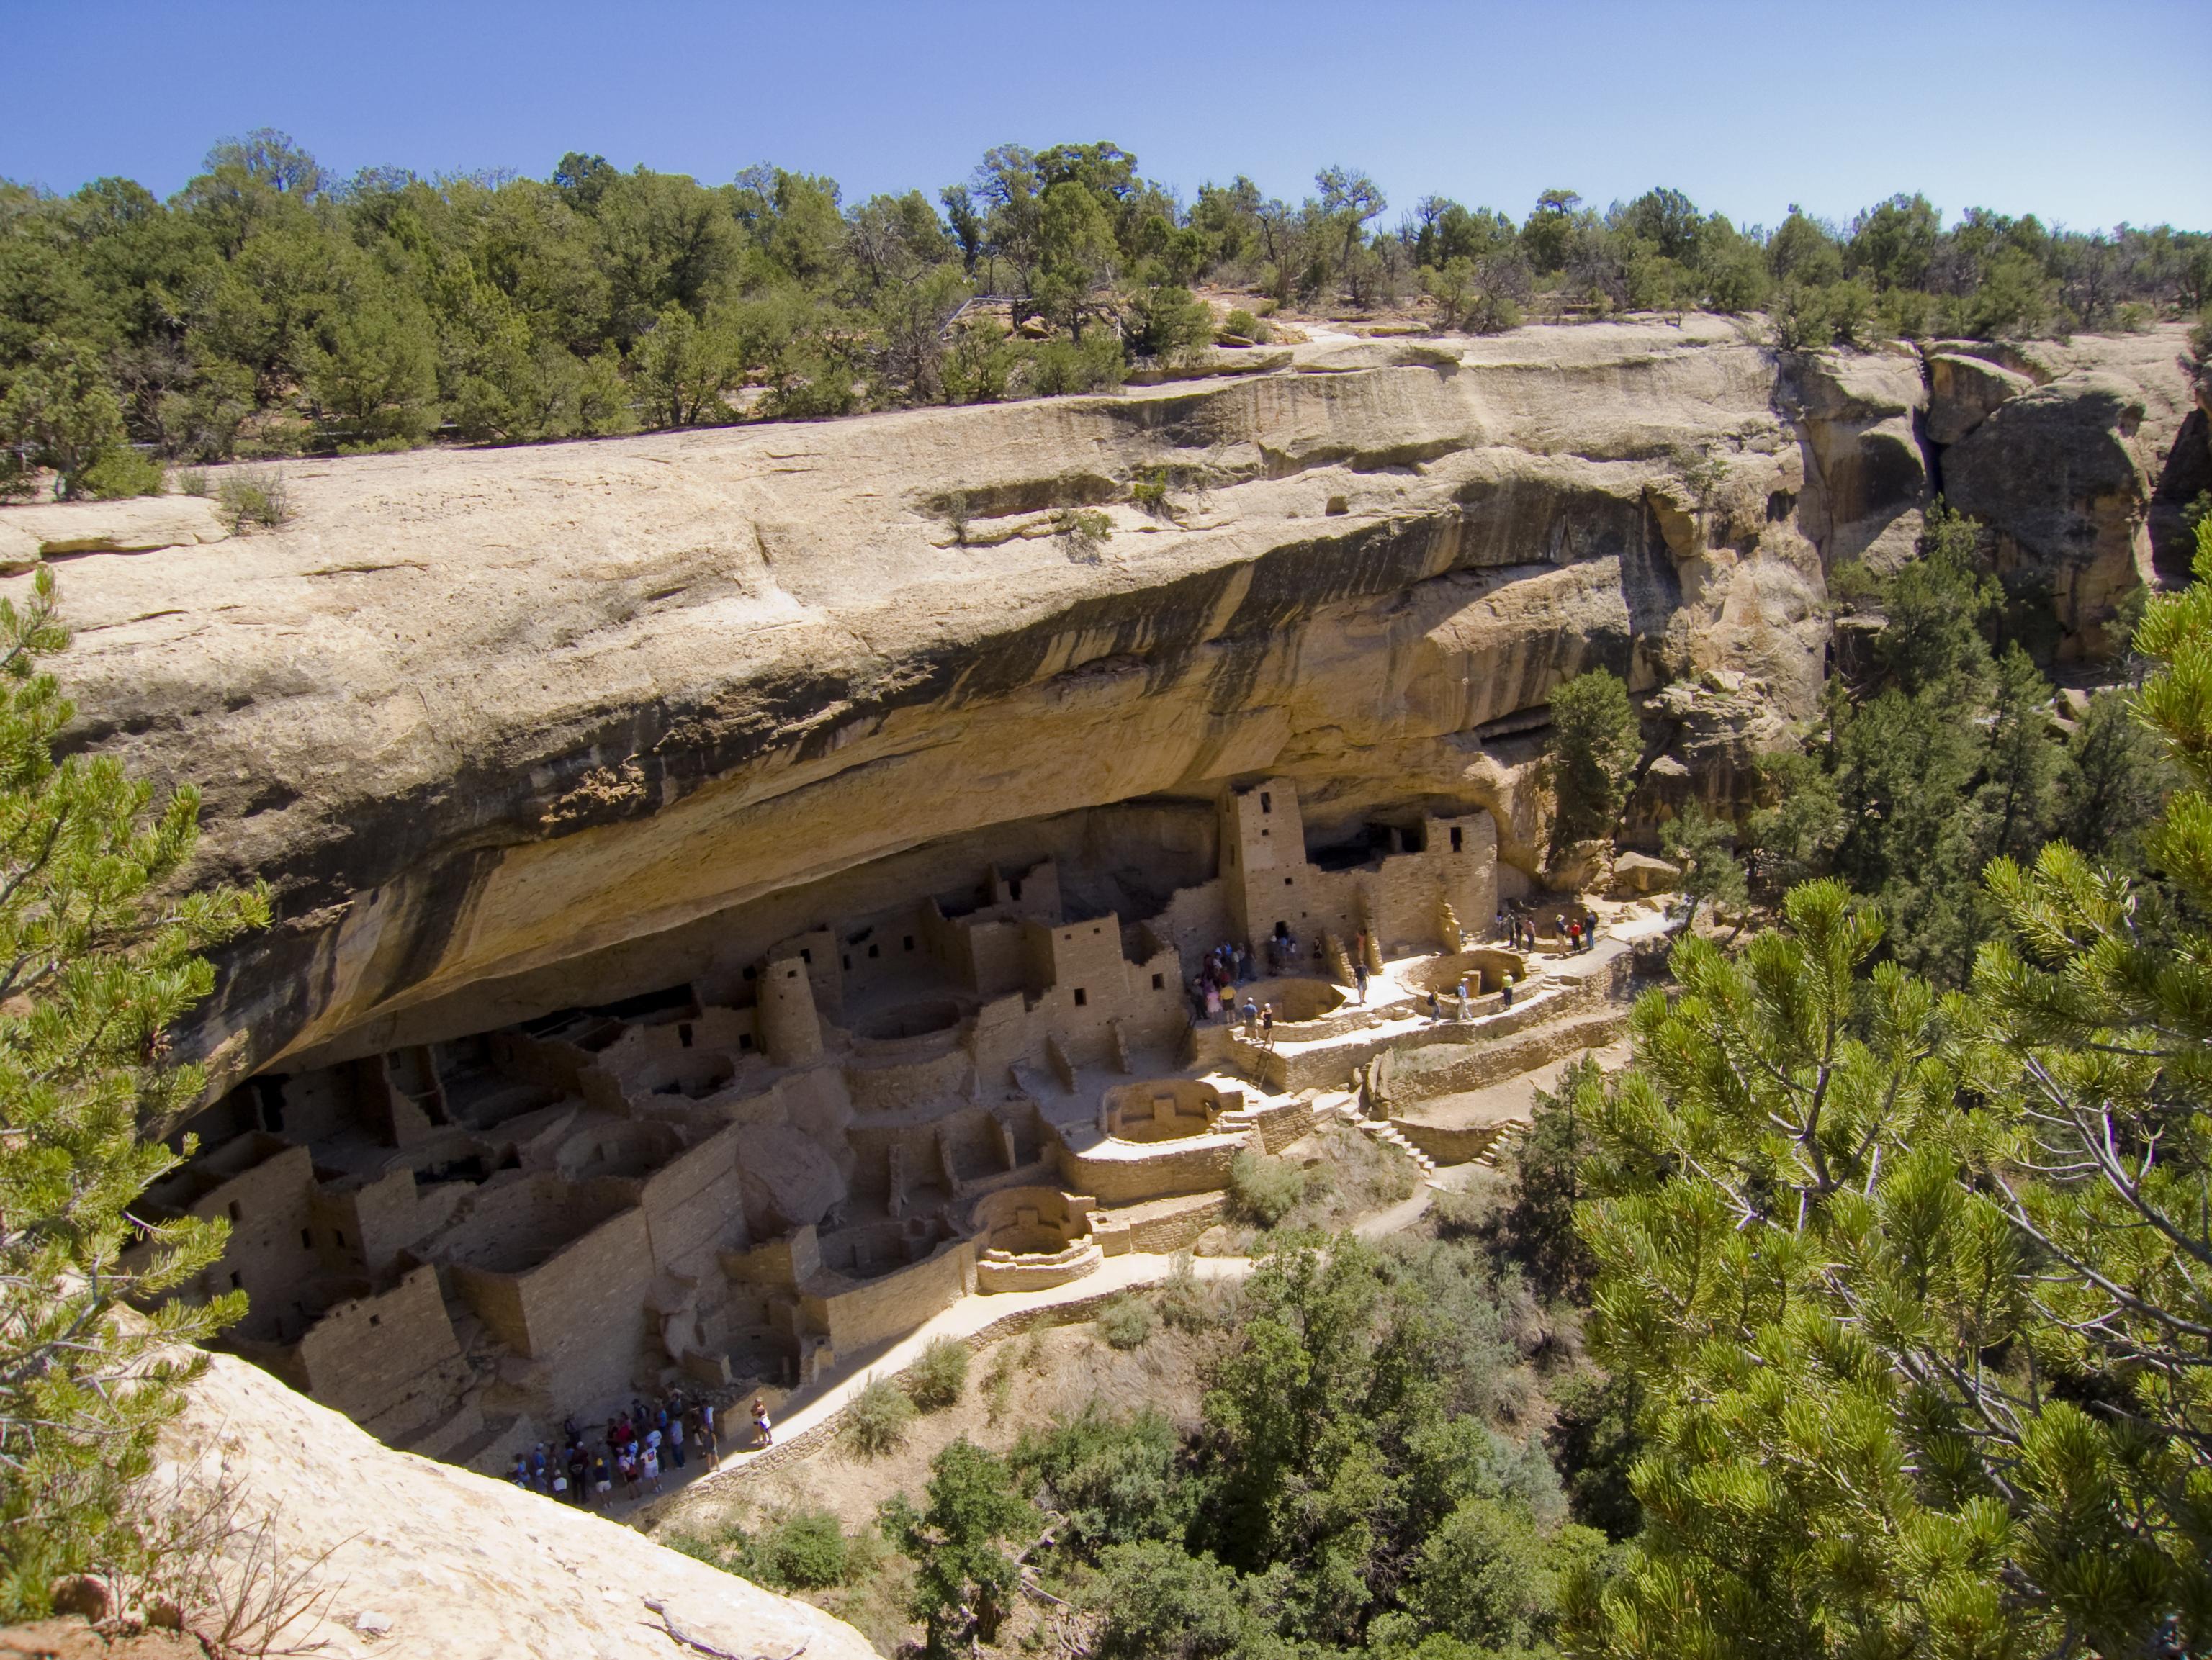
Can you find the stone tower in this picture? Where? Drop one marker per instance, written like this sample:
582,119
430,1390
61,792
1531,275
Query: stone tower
790,1031
1264,874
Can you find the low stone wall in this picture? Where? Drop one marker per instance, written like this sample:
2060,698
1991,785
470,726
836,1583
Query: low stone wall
893,1304
1000,1271
1163,1170
1443,1070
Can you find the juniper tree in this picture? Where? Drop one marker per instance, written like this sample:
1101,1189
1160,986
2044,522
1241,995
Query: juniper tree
99,956
1594,745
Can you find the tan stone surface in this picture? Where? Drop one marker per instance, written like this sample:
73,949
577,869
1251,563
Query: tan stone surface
429,1562
484,717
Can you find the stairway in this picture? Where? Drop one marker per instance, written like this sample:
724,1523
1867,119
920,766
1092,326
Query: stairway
1386,1134
1507,1129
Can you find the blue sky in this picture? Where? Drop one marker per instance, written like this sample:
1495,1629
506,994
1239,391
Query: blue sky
2088,114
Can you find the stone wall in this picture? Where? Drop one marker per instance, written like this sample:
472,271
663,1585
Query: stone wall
388,1361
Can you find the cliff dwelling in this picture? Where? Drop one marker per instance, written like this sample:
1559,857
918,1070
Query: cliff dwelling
819,1140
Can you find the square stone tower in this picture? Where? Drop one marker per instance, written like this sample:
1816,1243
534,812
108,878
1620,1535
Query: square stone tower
1264,872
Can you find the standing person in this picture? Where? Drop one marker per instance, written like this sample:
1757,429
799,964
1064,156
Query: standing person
710,1434
521,1476
1212,1001
760,1421
1465,1013
649,1466
1506,993
1359,979
602,1479
626,1467
1574,936
695,1420
1251,1014
1267,1024
1436,1008
676,1438
580,1471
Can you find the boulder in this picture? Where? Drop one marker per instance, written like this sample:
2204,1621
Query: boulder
1963,390
1639,873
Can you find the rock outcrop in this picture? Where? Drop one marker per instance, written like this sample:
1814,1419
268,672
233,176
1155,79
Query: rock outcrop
412,1559
508,730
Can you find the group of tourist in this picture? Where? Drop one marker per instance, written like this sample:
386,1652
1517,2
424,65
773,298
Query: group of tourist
1220,971
639,1448
1517,929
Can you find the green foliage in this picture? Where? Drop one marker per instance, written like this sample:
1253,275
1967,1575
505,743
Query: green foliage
254,497
102,960
1704,847
120,473
939,1377
1595,746
1160,1603
1091,365
1536,1229
1244,326
1115,1479
876,1419
1912,1282
803,1551
1595,1440
271,306
964,1542
1263,1189
60,415
1085,529
1128,1324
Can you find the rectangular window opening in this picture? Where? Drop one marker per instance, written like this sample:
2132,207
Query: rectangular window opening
684,1037
910,941
306,1238
874,952
1458,845
1159,982
1267,802
1081,996
233,1208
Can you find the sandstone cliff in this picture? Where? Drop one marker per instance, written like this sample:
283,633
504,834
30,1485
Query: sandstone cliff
419,1558
507,730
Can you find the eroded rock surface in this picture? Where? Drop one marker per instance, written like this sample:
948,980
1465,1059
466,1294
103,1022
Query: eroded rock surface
418,1560
495,724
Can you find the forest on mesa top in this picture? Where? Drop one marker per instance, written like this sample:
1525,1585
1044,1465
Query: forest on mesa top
270,309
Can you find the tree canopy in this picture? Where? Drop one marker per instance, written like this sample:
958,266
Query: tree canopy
270,308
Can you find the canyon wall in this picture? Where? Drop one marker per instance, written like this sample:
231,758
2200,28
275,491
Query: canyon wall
507,730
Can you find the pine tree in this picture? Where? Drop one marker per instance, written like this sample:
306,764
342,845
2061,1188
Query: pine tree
99,957
1919,1287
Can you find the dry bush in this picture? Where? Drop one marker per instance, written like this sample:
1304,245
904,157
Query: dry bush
216,1568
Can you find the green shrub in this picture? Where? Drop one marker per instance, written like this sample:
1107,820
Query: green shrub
939,1377
193,482
1127,1323
1064,365
1264,1190
1085,528
806,1551
255,496
876,1422
1245,326
120,473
